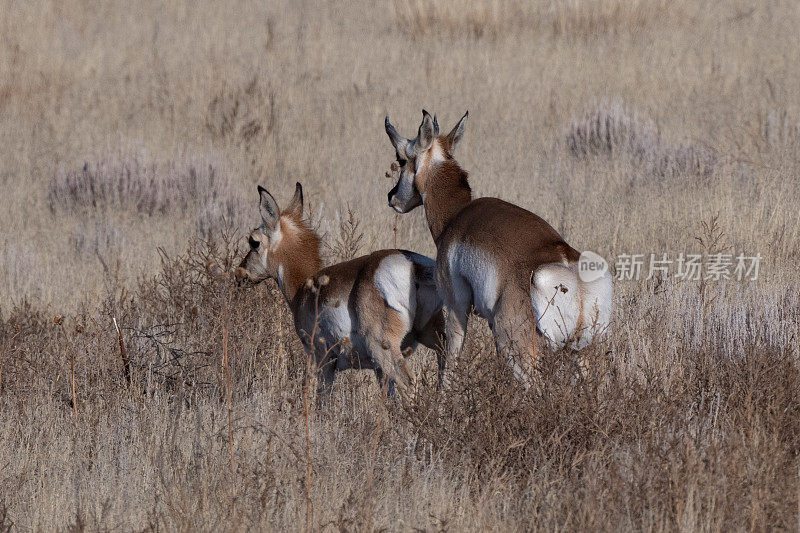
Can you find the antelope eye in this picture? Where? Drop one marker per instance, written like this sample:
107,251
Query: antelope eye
253,243
401,162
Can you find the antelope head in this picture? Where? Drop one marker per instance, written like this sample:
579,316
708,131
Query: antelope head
417,156
272,243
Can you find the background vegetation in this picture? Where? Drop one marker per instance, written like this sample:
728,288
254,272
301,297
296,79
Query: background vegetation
131,140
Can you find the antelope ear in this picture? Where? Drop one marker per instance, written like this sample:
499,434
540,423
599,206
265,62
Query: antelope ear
426,133
268,208
296,205
457,132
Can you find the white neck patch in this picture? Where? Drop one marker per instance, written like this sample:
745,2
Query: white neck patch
276,237
436,152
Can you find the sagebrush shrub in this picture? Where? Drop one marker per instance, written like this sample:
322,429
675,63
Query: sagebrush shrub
612,130
198,187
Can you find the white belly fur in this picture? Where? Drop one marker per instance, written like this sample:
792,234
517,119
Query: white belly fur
480,274
335,326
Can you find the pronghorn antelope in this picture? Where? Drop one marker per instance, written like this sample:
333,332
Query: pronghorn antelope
368,312
504,262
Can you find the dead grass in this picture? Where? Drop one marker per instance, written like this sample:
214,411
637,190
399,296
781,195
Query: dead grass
131,183
680,420
644,127
553,18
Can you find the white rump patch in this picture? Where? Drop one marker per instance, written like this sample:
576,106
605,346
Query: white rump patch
575,315
597,300
394,281
335,321
556,311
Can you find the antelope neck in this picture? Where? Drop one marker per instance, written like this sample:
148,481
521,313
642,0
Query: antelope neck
297,257
447,193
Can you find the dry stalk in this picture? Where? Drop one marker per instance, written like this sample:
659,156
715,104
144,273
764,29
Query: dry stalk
377,437
535,322
394,173
126,363
280,339
74,391
374,452
226,367
308,445
59,320
306,414
7,341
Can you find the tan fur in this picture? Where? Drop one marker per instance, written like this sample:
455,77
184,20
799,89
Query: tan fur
353,283
348,287
446,191
518,241
514,242
298,251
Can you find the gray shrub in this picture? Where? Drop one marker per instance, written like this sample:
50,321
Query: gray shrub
612,130
198,186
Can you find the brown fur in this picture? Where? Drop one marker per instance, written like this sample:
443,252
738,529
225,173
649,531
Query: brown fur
298,247
488,221
311,293
353,282
517,241
297,252
447,191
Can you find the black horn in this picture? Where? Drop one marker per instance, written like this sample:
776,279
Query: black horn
395,137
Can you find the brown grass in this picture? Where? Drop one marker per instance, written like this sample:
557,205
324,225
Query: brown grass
633,127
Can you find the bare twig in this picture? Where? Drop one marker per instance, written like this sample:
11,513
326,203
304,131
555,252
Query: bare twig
230,403
306,414
126,364
59,320
280,339
371,472
535,322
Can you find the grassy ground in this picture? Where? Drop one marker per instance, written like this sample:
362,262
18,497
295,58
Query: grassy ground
639,127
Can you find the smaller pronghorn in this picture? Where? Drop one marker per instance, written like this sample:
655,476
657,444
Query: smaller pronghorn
368,312
500,260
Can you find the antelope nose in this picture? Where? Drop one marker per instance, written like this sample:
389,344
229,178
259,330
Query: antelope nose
390,198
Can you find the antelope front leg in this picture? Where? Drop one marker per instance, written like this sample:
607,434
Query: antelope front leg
326,372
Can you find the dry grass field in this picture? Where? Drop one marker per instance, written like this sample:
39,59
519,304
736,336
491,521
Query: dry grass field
132,136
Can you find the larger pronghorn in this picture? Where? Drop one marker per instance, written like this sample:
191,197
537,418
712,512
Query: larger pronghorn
369,312
499,259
